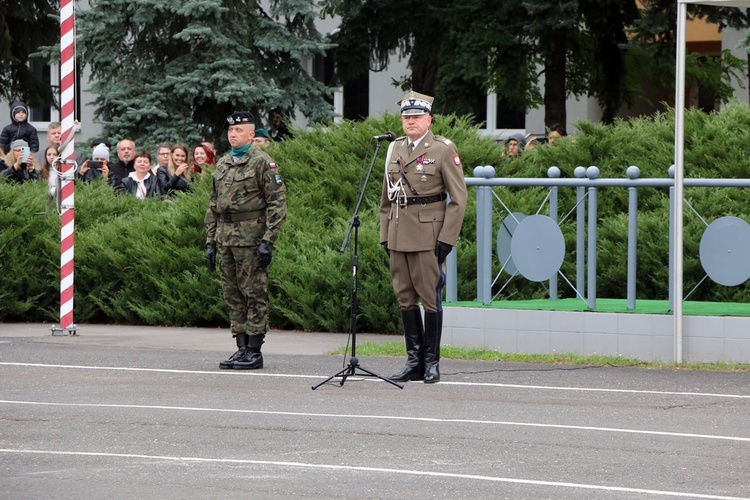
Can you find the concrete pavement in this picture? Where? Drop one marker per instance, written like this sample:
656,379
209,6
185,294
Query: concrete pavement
194,339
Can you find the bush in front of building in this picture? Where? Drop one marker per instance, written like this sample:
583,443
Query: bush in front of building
142,262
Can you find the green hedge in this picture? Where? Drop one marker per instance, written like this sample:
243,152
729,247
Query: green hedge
142,262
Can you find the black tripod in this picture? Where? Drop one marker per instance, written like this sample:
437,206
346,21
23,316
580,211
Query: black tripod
354,223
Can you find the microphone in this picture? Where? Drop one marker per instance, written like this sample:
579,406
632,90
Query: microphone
388,136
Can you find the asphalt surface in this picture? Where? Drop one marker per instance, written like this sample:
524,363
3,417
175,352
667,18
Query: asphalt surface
136,412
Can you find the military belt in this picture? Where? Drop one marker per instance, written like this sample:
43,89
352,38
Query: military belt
424,200
239,216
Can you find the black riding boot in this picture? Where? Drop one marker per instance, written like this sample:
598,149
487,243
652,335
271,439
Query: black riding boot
242,339
433,330
414,340
253,359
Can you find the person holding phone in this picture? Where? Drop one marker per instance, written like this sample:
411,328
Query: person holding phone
98,166
22,165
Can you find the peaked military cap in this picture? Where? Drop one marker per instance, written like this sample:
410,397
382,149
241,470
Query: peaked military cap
239,118
414,103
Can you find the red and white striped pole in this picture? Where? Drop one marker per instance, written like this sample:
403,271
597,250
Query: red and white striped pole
67,169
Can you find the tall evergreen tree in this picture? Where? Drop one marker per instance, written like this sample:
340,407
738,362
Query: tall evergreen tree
173,70
25,26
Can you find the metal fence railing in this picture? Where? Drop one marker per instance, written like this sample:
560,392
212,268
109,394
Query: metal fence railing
721,259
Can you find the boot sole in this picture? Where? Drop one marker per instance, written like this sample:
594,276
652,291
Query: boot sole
412,378
256,367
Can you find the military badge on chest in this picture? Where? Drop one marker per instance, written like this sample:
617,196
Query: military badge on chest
420,169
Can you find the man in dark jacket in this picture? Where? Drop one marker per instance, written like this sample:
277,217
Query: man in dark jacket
19,128
126,156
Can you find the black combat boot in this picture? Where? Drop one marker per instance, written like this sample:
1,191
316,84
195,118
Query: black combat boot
414,340
242,339
253,359
433,330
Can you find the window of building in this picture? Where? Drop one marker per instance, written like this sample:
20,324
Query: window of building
508,117
41,117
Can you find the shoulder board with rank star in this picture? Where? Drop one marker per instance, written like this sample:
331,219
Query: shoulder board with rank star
442,139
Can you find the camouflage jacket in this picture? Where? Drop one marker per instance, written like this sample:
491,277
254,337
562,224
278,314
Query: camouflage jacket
247,202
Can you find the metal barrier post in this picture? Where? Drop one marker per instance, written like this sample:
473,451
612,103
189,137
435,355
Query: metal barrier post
592,173
633,172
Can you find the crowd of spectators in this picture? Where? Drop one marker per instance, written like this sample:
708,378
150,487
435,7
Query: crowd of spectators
515,145
170,170
126,169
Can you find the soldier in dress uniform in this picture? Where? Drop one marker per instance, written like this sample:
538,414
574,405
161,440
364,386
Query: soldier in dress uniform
245,211
418,230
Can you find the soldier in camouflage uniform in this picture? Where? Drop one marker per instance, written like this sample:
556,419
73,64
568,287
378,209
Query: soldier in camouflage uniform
419,229
245,211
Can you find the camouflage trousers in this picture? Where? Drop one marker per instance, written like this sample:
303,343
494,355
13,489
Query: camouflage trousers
245,286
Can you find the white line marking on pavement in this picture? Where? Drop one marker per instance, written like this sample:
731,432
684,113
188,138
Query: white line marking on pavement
386,417
374,469
361,377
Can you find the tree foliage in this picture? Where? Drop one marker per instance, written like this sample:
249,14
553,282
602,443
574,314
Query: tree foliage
173,70
595,48
25,26
654,40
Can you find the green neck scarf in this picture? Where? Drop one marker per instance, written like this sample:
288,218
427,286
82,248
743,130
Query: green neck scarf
240,152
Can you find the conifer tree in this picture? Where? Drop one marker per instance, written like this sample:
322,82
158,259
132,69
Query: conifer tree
172,70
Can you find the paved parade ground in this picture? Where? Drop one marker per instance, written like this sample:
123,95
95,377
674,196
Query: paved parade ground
143,412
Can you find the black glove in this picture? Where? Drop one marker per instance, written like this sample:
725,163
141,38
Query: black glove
211,256
442,250
385,247
264,253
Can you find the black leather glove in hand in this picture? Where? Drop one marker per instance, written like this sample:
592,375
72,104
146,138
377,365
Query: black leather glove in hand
211,256
264,253
442,250
385,247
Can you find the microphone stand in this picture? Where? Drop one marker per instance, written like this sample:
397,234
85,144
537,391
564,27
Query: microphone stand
354,223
